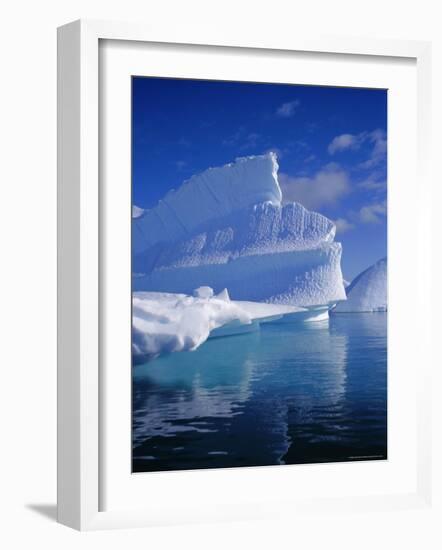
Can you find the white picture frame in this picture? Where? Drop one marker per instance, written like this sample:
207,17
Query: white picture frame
80,445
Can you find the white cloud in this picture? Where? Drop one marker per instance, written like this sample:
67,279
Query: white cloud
373,213
325,187
372,183
287,109
310,158
377,138
343,142
343,225
379,151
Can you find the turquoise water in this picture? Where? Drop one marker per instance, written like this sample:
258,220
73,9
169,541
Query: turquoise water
287,394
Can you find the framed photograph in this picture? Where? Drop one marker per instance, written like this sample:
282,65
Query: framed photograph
231,342
262,246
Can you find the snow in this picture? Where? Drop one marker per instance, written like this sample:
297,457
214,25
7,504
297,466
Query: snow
227,227
368,291
203,292
260,311
223,295
166,322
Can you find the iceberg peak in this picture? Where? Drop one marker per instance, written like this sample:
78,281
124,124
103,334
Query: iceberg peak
210,195
223,295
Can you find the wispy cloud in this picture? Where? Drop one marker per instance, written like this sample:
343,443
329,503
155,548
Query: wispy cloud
310,158
183,142
373,186
234,138
377,139
343,225
345,142
288,109
242,139
250,141
324,188
373,183
180,165
373,213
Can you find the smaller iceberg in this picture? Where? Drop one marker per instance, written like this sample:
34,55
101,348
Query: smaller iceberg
165,322
368,291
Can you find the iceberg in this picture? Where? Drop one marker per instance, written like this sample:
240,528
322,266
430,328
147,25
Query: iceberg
167,322
368,291
229,227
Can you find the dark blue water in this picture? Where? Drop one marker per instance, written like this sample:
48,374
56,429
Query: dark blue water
288,394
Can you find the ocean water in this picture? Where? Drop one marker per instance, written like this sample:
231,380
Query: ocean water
287,394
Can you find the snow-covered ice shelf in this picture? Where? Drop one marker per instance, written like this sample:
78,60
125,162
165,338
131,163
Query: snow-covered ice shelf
167,322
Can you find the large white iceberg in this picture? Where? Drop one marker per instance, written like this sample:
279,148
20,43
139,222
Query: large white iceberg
228,227
368,291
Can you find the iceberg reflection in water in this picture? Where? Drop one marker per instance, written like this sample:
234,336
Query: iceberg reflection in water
287,394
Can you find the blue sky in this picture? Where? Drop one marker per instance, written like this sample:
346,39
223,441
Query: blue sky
331,145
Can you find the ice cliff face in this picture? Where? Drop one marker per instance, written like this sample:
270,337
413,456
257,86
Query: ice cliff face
227,227
368,291
207,197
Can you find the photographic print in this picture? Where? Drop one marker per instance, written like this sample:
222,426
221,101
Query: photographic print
259,274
